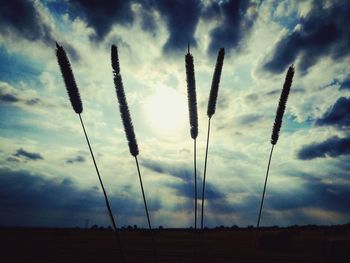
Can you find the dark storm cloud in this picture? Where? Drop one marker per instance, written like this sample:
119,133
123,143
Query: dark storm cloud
8,98
332,147
181,18
185,187
76,159
313,193
28,155
102,14
220,206
235,23
175,170
187,190
28,199
322,32
23,17
22,190
345,85
338,115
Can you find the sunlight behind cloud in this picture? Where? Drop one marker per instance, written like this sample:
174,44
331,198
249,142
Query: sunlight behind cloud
166,111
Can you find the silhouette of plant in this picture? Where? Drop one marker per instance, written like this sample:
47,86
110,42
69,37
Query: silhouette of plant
77,105
129,129
69,80
210,112
192,107
276,127
73,93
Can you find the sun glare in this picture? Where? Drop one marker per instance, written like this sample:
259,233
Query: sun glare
166,110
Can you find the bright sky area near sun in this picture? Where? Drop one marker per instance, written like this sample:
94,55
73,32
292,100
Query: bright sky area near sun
47,177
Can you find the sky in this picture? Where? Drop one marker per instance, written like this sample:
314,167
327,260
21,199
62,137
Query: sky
47,177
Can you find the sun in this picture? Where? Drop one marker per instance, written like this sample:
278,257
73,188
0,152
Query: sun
166,110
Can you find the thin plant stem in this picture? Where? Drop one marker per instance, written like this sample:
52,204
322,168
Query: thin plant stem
204,174
195,198
104,191
195,183
147,214
263,194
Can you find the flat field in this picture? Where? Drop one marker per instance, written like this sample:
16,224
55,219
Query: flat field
296,244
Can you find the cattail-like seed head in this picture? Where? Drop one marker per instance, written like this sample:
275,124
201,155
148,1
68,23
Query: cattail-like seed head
215,83
115,59
191,95
282,105
69,80
123,105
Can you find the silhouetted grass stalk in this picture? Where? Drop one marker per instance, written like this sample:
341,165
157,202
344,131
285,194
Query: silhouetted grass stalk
204,174
129,130
193,116
77,105
192,106
210,112
276,128
195,180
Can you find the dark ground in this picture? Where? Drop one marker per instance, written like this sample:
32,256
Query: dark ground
296,244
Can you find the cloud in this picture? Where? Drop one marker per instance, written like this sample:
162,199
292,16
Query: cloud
320,33
12,159
187,190
278,91
9,95
181,18
29,199
214,197
345,85
28,155
314,193
249,119
76,159
102,14
31,21
23,190
8,98
176,170
338,115
26,99
148,22
236,19
251,98
22,17
332,147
